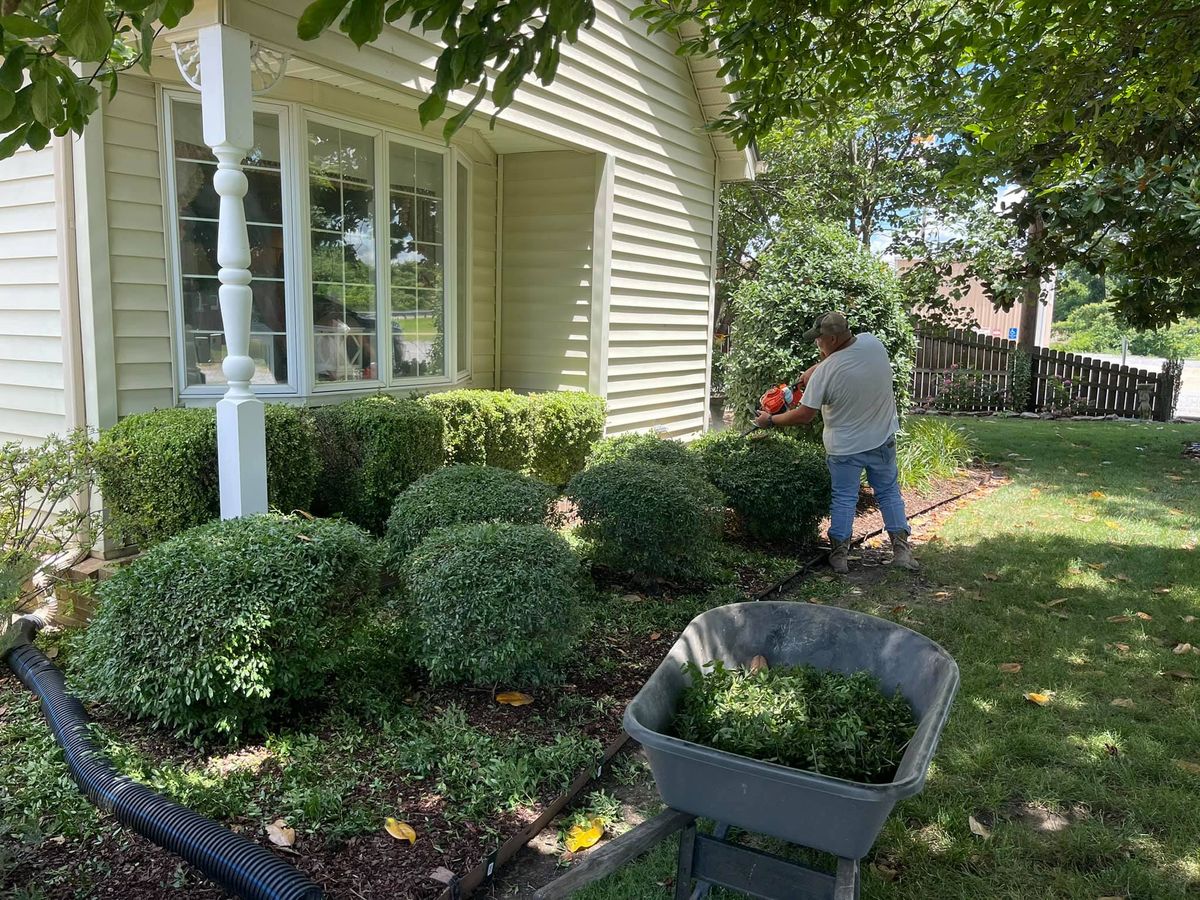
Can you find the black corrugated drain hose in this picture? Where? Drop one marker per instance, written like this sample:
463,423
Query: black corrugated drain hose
242,867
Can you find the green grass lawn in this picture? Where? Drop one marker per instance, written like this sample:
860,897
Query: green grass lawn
1083,799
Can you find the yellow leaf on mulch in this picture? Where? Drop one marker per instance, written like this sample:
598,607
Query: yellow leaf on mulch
1098,495
1010,668
1188,766
978,828
1123,702
1040,699
401,831
280,835
581,837
514,698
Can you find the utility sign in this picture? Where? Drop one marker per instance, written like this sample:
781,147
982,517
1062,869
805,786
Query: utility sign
1012,334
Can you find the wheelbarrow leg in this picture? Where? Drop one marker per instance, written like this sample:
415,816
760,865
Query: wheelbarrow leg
848,882
703,887
687,858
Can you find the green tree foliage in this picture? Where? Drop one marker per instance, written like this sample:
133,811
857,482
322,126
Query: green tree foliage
1074,286
1096,328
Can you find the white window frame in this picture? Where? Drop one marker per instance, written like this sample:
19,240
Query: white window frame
291,268
464,369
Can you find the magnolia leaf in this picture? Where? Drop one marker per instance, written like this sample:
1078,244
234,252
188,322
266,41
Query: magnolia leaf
1181,649
1123,648
401,831
1098,495
1123,702
978,828
85,28
1041,699
1162,590
1097,566
1119,619
1145,617
1188,766
1179,675
655,635
991,576
580,837
514,698
280,835
1057,602
1011,668
759,664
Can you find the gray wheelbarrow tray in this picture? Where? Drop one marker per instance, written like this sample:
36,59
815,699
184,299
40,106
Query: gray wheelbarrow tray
831,814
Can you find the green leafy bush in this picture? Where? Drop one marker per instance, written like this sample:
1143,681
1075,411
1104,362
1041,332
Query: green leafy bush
494,604
648,519
158,470
778,486
215,629
565,426
839,725
462,495
372,449
931,448
645,448
485,427
810,269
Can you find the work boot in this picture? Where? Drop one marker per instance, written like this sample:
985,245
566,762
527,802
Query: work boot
839,557
902,555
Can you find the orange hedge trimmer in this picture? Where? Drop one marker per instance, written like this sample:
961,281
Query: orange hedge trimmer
777,399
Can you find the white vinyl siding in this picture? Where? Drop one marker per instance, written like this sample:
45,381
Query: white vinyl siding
546,270
31,352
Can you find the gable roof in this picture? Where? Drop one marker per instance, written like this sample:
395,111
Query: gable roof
712,89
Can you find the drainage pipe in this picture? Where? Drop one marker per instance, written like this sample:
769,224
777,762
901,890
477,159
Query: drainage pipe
240,866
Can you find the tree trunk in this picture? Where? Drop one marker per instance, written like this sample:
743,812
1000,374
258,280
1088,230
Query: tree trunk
1032,301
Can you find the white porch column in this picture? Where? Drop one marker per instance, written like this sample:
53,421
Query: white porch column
225,99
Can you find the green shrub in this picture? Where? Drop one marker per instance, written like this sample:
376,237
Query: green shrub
216,629
778,486
158,470
810,269
494,604
931,448
645,448
648,519
465,495
565,426
491,428
372,449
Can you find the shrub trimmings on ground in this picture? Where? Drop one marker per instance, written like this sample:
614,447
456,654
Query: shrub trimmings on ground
648,519
158,470
494,604
216,629
839,725
461,495
778,486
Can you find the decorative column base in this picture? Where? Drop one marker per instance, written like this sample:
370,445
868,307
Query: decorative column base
242,457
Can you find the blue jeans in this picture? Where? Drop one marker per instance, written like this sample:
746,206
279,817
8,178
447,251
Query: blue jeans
846,474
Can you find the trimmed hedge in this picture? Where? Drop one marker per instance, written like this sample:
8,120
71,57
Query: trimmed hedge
461,495
218,628
648,519
158,470
645,448
372,449
491,428
778,486
565,426
494,604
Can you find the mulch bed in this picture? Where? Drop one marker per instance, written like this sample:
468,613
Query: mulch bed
122,865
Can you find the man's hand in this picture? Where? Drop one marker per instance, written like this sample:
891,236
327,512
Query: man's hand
763,419
808,373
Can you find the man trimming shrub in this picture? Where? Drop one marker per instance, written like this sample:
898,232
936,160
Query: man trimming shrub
371,449
158,470
778,487
644,448
565,426
648,519
492,428
213,631
494,604
461,495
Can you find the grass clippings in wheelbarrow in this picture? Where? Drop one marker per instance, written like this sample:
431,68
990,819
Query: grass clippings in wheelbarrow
843,726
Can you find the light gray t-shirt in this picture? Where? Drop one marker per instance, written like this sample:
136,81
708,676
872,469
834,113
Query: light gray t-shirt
853,391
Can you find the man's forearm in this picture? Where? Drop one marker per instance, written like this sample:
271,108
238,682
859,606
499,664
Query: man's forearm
798,415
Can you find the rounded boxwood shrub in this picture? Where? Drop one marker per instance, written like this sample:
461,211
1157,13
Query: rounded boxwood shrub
644,448
778,486
464,495
371,449
810,269
494,604
648,519
491,428
158,470
216,629
565,426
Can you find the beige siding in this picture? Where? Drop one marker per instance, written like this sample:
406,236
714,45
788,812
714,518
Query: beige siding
546,277
31,349
483,263
137,249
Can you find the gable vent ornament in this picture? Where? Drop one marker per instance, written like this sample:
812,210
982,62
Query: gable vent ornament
267,65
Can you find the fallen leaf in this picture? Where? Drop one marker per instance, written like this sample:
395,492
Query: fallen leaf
1119,619
1188,619
1180,675
1010,668
1162,590
514,698
1124,648
991,576
304,513
305,538
401,831
1058,602
1123,702
1060,615
1188,766
633,598
1098,495
941,595
52,653
1035,492
442,875
655,635
1145,617
1122,578
885,871
280,835
978,828
816,601
581,837
1082,474
1181,649
1097,566
759,664
896,610
1113,525
1039,699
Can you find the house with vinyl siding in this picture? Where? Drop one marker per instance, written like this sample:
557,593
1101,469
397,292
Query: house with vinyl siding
569,247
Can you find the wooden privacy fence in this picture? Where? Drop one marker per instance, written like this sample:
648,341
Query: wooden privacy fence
960,370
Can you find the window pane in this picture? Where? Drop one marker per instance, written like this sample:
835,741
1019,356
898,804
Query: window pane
463,271
199,207
342,200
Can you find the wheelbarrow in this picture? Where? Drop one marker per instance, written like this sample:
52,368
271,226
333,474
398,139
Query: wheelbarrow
805,808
